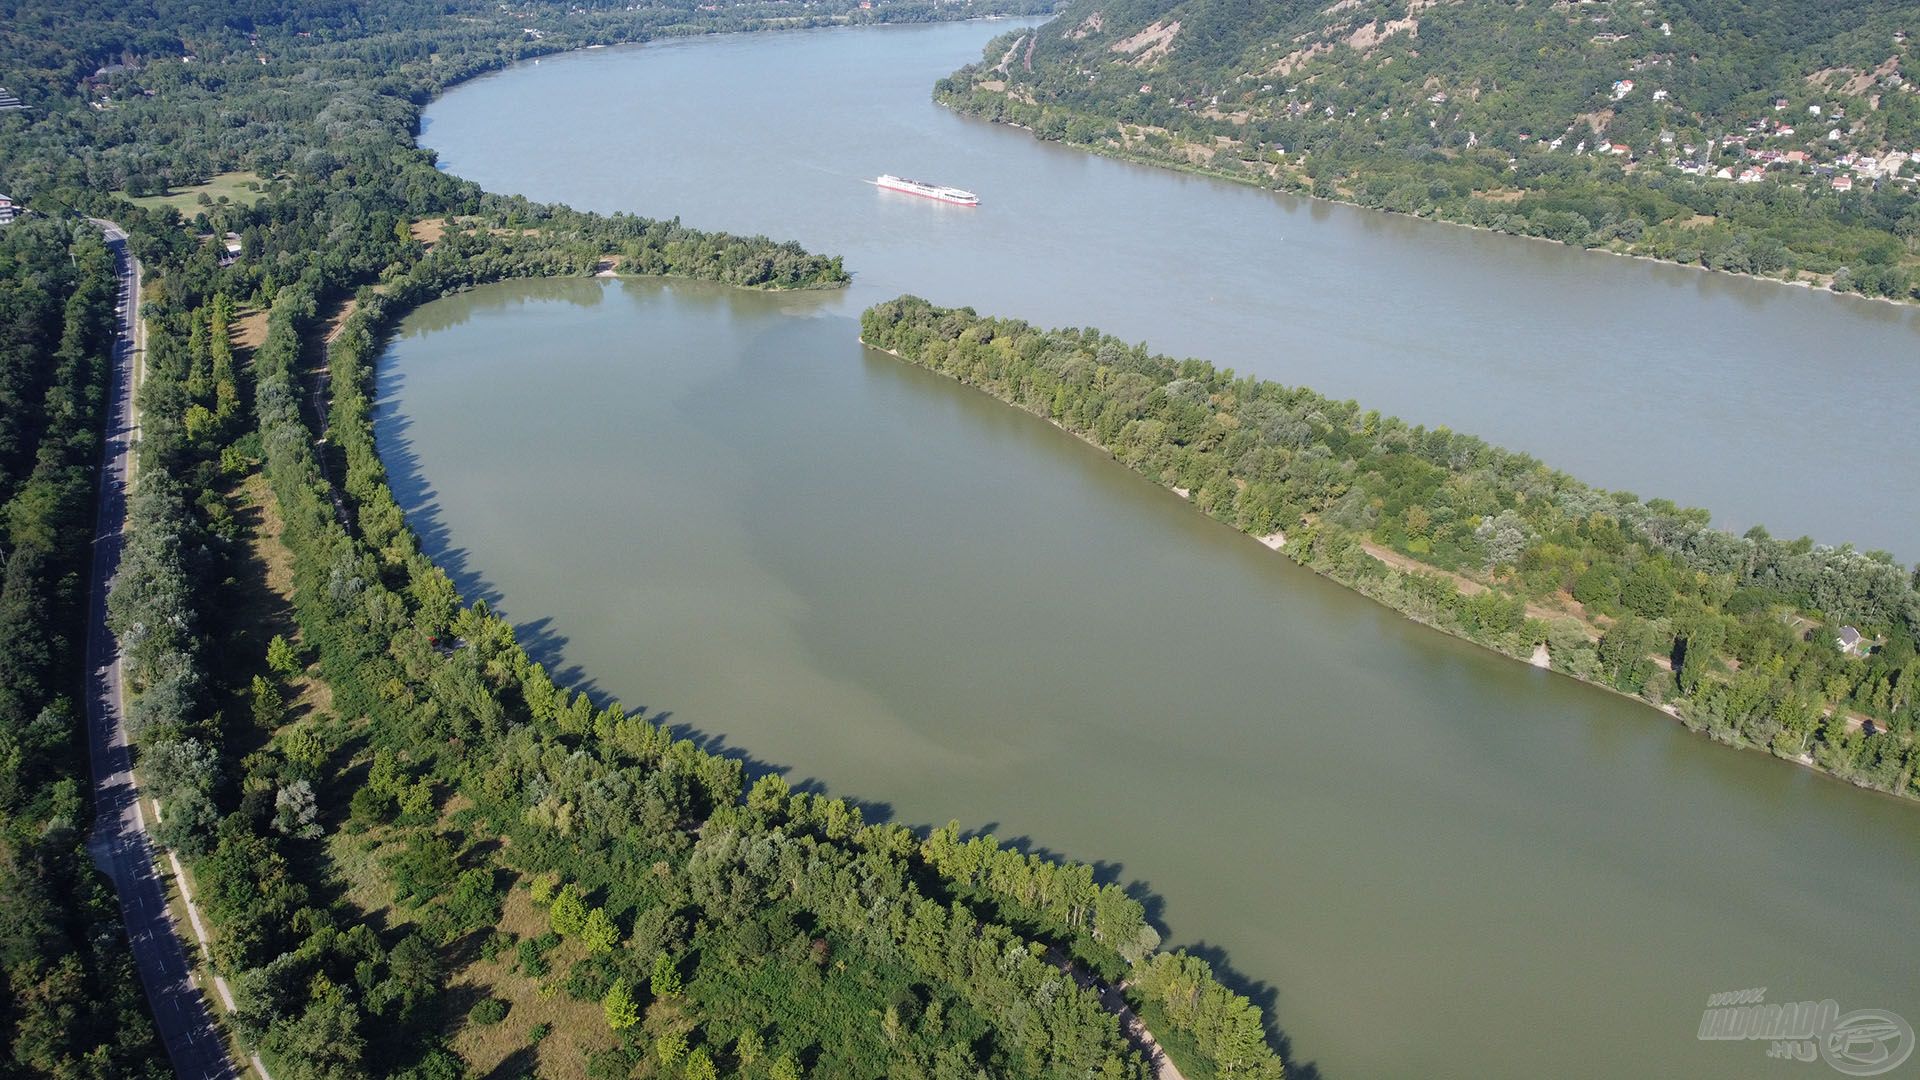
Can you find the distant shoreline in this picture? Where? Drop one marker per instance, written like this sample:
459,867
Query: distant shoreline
1191,169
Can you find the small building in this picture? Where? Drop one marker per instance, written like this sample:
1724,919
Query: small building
1843,183
8,211
9,100
1849,640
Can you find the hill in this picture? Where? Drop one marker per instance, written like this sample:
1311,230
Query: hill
1767,136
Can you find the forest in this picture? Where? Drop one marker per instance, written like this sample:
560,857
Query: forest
1605,124
418,855
1739,636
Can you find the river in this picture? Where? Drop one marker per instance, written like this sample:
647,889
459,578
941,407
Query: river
1426,859
1762,402
1422,858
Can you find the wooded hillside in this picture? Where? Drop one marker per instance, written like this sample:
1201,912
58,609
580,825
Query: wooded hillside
1771,137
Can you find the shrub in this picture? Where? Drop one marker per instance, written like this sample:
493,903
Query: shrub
487,1011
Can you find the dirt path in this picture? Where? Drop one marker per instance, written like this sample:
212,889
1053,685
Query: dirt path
1115,1002
1468,587
1007,60
317,374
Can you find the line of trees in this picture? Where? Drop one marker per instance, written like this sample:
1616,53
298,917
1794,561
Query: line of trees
1738,634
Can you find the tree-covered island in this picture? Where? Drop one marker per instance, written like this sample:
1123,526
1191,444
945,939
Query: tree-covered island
1799,649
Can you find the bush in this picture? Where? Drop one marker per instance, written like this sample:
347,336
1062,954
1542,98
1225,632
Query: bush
487,1012
533,955
281,658
370,807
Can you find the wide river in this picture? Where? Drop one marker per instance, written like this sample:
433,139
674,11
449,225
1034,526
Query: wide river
1762,402
1424,859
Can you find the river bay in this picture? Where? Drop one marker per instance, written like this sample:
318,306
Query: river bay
1762,402
1423,858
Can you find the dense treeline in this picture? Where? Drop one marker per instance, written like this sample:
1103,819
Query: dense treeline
186,89
69,1005
1740,636
1481,113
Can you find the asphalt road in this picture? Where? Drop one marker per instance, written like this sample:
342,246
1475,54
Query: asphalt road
120,845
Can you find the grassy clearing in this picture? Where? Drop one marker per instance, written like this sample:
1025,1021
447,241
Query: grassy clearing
577,1028
574,1029
228,187
264,597
354,867
428,231
248,332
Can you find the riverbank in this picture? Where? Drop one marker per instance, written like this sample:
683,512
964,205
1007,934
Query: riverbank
537,49
1673,662
1192,168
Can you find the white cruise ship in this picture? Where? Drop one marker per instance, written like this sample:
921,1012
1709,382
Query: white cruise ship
952,195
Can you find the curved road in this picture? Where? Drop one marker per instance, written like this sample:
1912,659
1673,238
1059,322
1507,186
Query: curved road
120,845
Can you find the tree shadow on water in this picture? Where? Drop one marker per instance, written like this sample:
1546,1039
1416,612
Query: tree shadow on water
547,647
1262,994
873,812
419,502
